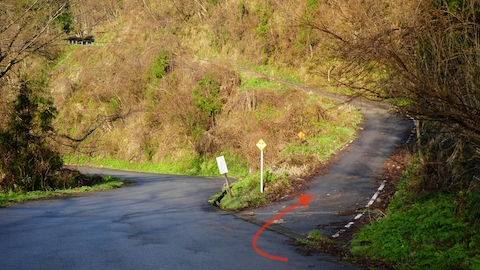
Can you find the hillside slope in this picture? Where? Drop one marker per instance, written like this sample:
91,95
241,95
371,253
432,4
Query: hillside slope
145,91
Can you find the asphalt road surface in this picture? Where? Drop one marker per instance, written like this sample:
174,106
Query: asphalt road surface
164,221
350,182
160,222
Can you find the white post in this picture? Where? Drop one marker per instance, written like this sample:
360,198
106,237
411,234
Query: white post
261,144
222,167
261,171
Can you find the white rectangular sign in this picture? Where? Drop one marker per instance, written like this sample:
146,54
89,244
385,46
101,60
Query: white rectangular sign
222,165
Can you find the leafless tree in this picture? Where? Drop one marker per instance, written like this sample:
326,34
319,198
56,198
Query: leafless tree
425,55
27,30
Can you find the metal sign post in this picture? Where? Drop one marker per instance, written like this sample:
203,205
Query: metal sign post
222,167
261,145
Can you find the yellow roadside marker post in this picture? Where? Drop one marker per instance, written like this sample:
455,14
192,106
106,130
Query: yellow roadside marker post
261,145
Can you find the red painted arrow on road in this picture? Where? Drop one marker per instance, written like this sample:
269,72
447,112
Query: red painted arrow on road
305,200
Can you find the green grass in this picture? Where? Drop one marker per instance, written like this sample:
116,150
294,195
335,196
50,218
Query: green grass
421,232
340,90
271,71
400,102
274,72
113,163
15,197
249,83
187,166
315,239
324,145
315,235
245,192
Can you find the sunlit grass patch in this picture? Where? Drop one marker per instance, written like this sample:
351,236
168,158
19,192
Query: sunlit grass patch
245,192
10,197
257,83
189,165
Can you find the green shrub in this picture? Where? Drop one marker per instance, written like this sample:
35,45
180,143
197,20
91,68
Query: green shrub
206,95
65,20
27,159
161,66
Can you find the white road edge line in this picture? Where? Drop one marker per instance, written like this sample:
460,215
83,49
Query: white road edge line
372,200
374,197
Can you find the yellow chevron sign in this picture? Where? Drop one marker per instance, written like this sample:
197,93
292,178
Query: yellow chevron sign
261,144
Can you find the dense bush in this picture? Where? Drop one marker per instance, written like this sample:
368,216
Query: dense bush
27,160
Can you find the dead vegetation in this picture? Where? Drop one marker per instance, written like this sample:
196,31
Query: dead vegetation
149,73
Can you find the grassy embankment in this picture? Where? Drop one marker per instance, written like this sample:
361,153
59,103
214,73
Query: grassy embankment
329,128
430,231
434,230
108,182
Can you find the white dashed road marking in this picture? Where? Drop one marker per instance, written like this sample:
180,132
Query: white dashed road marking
372,200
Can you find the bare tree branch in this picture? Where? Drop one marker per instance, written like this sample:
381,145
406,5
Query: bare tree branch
23,36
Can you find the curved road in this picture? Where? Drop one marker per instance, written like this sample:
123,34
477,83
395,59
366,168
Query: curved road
160,222
164,221
350,182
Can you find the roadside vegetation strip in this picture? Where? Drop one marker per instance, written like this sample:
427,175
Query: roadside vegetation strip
11,197
422,231
316,240
185,166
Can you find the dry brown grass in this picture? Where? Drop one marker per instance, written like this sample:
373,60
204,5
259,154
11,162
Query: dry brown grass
160,121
